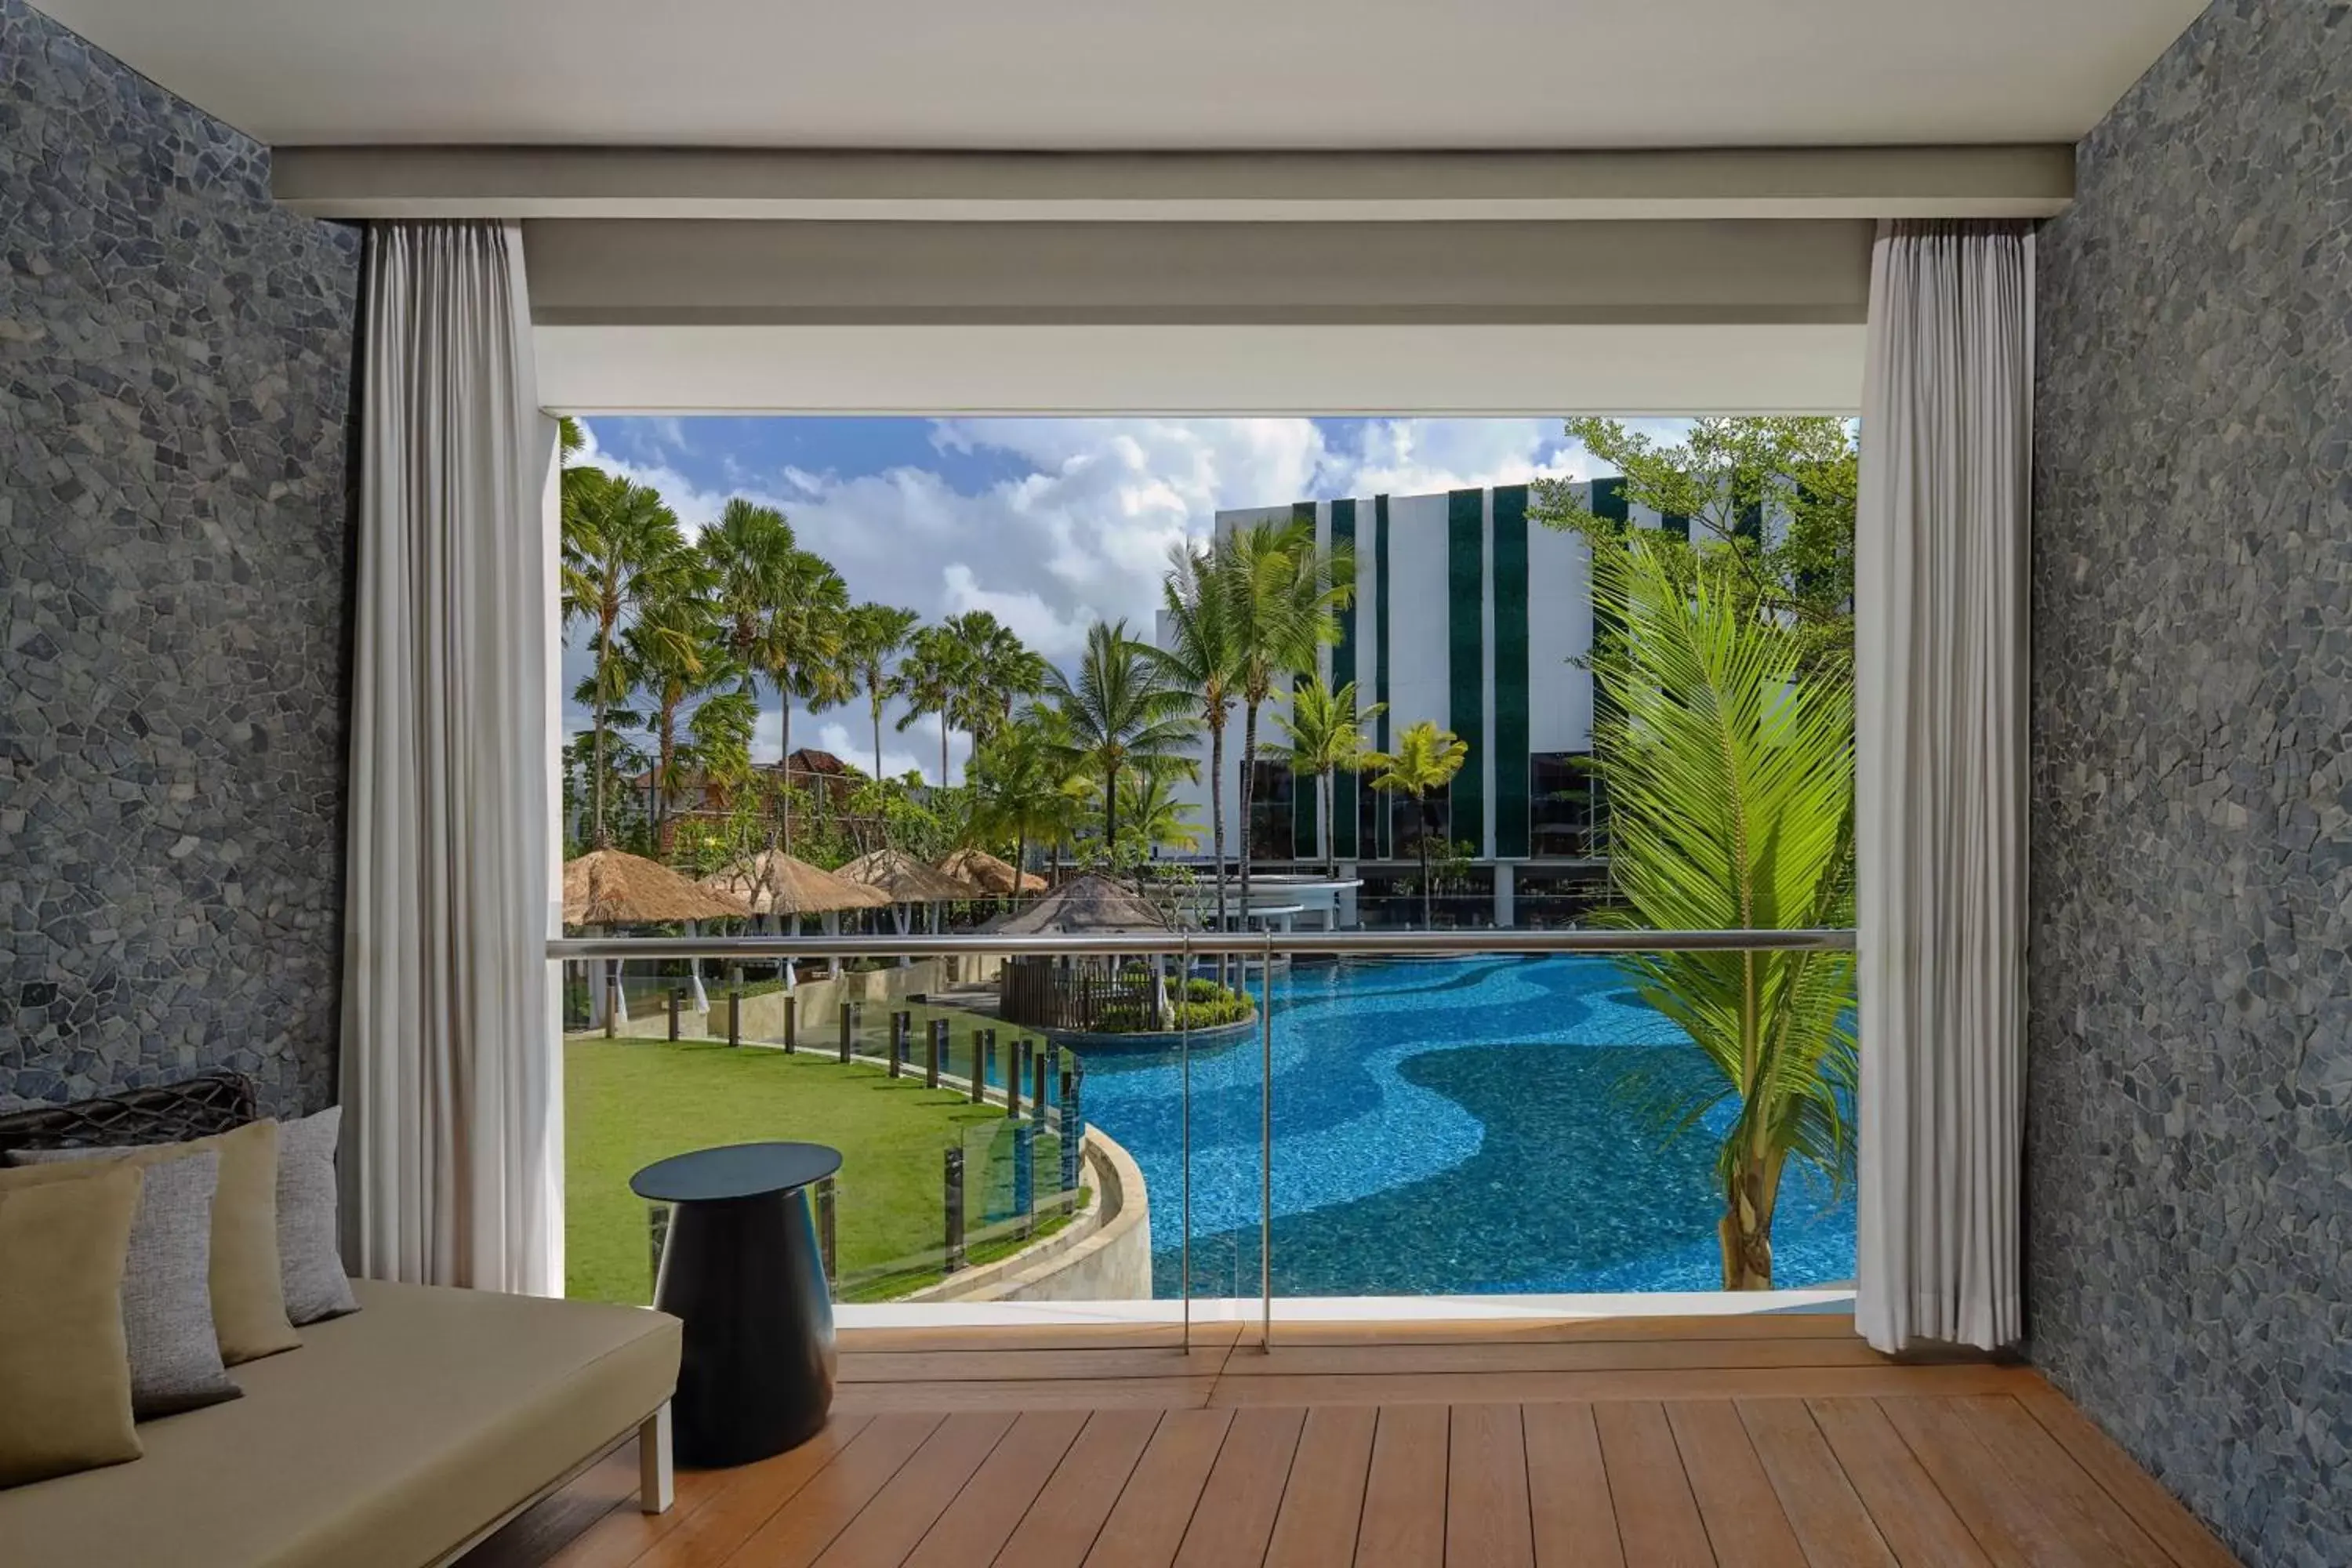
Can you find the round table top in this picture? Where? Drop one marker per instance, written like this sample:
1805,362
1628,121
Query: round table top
735,1171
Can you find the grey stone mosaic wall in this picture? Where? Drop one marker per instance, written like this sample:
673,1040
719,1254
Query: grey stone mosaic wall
2189,1087
175,357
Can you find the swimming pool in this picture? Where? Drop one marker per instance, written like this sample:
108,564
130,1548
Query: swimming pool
1455,1126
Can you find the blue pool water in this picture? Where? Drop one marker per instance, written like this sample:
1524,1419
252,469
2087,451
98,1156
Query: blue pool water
1446,1127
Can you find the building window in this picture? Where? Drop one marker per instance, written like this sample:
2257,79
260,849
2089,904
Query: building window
1270,823
1406,817
1563,795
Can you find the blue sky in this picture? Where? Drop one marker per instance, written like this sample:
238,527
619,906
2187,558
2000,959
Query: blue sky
1049,523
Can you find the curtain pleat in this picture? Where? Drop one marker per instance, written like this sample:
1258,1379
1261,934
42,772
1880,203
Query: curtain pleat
1941,601
451,1106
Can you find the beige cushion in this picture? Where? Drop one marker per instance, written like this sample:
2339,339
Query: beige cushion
248,1296
65,1371
389,1440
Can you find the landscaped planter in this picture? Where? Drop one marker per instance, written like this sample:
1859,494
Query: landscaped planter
1156,1039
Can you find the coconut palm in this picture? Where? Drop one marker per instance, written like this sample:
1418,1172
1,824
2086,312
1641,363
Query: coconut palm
1425,760
1284,596
620,550
1016,782
1122,712
930,676
1158,819
1731,786
1203,656
1324,732
998,670
876,636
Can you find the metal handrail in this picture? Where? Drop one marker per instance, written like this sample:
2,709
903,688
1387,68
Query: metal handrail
1205,944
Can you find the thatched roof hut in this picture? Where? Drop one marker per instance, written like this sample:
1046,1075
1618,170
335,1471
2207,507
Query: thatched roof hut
608,888
774,883
985,872
907,880
1090,905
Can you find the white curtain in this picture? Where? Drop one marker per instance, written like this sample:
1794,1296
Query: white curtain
451,1104
1940,599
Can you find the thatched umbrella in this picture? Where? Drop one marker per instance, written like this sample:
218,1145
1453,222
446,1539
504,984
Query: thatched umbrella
985,870
773,883
609,888
1085,905
907,881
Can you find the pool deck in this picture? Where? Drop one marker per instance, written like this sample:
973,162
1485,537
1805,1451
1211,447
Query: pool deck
1657,1439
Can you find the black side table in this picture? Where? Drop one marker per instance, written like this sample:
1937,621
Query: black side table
740,1268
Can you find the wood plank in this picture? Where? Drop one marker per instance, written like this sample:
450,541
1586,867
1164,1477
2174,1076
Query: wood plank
1235,1521
1060,1527
1916,1520
1603,1384
1325,1498
1040,1336
1821,1506
1035,1394
1404,1494
1574,1522
1517,1330
801,1529
1569,1355
715,1510
1657,1516
987,1511
1009,1366
2013,1531
2077,1505
895,1523
1486,1512
2182,1535
1736,1499
1148,1524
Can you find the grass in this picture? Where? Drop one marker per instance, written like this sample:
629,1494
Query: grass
631,1102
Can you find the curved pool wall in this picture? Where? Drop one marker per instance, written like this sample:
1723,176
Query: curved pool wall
1446,1127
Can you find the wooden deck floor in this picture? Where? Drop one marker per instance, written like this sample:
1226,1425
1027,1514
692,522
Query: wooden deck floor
1766,1441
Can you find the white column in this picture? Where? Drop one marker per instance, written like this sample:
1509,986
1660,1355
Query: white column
1506,888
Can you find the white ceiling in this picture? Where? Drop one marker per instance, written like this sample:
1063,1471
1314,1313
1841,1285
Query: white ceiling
1144,74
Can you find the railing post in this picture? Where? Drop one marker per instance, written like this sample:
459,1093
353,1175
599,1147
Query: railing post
1024,1179
978,1066
936,1053
848,1030
1074,1131
902,1023
677,996
1013,1066
735,1009
1036,1084
792,1023
898,1042
612,1002
825,1240
953,1200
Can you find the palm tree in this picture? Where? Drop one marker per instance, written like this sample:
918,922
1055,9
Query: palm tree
877,635
620,550
1284,597
747,551
802,648
1729,762
1326,736
1122,713
1161,820
668,653
999,669
1017,782
1425,761
930,676
1204,657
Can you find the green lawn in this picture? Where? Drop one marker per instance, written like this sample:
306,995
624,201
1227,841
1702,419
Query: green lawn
630,1102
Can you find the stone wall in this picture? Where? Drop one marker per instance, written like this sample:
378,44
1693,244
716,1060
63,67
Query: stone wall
175,358
2190,1086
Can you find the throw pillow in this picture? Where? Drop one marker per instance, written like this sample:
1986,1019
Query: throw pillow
248,1298
310,1249
167,1308
65,1374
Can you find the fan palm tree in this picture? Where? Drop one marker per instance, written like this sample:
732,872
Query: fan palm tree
876,636
1324,732
930,676
1729,763
620,550
1284,596
802,648
998,670
1425,760
1122,712
1203,659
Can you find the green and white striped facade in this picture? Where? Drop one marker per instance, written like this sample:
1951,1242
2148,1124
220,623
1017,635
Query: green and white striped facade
1467,611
